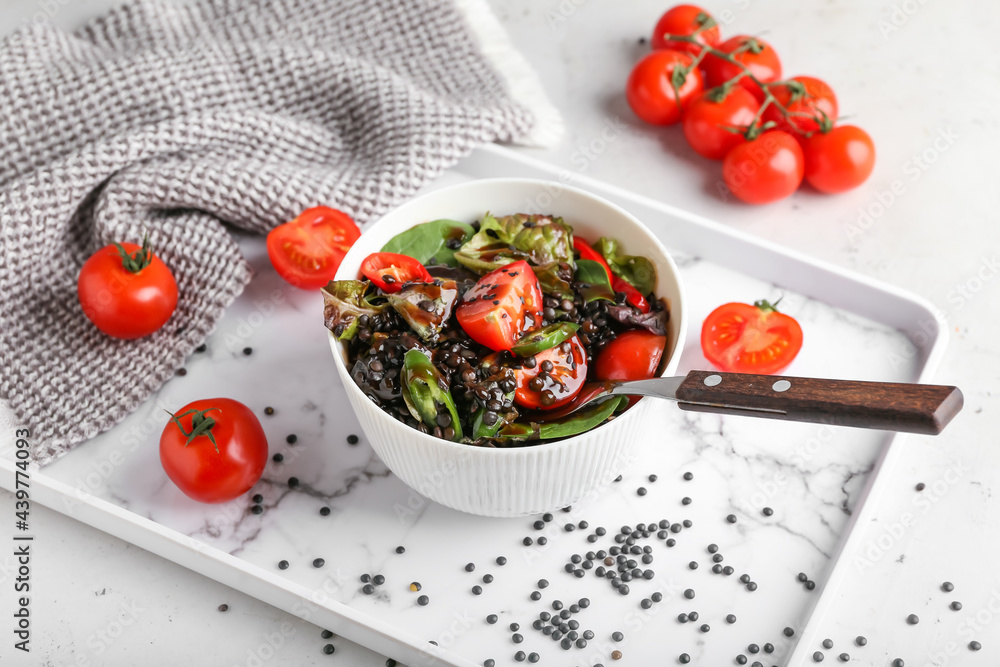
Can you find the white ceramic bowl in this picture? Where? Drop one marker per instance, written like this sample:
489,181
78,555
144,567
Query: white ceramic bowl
523,480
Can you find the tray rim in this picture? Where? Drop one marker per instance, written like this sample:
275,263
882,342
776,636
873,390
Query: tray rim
370,631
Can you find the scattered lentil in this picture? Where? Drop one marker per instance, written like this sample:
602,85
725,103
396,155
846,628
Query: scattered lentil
501,561
898,662
616,655
423,600
860,640
223,607
788,632
400,549
282,564
415,586
477,590
975,646
652,478
912,619
324,511
352,439
921,486
845,657
291,439
248,351
827,643
956,605
293,482
684,658
818,656
767,511
730,618
256,509
731,518
269,411
367,589
329,649
641,491
319,562
326,634
378,580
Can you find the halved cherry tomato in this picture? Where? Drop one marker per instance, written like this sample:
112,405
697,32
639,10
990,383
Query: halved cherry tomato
816,99
501,306
754,52
650,92
557,376
214,449
840,159
706,120
685,20
633,355
741,338
390,270
766,169
632,295
308,250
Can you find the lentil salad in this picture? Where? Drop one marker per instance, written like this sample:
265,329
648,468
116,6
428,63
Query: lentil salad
486,333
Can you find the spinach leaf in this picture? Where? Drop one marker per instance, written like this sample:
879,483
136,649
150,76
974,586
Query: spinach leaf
593,275
436,240
426,307
581,421
425,391
343,303
636,270
541,240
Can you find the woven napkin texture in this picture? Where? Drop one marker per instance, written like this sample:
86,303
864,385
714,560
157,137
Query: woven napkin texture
183,119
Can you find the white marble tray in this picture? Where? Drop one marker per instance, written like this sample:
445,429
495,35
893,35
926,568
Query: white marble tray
819,480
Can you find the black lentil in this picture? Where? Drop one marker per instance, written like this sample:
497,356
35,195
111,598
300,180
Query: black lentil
688,476
769,648
538,525
684,658
256,509
536,596
912,619
975,646
282,564
543,540
730,618
415,586
400,549
752,586
731,518
693,565
827,643
767,511
519,656
516,638
818,656
324,511
617,636
810,585
788,632
329,649
682,618
293,482
501,560
223,607
802,577
728,570
423,600
745,578
753,648
367,589
921,486
527,541
319,562
685,501
741,659
898,662
956,605
269,411
326,634
491,619
352,439
860,640
845,657
693,616
641,491
248,351
533,657
477,590
487,578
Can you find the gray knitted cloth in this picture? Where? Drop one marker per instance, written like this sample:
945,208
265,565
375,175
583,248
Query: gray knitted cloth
182,119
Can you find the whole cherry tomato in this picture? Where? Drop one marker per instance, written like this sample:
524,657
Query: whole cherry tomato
126,290
838,160
753,52
706,120
308,250
214,450
685,20
650,87
766,169
741,338
801,95
632,355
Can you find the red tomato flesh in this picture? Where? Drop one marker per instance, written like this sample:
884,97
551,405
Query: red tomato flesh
501,306
633,355
215,473
121,303
555,379
390,271
744,338
307,251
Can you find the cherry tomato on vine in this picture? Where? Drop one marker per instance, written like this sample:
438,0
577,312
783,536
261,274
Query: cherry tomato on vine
838,160
811,96
307,251
390,270
758,56
766,169
555,379
501,306
633,355
706,120
740,338
214,450
685,20
126,290
650,91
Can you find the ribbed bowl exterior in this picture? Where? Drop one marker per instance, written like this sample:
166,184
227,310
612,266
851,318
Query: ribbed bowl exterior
509,482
